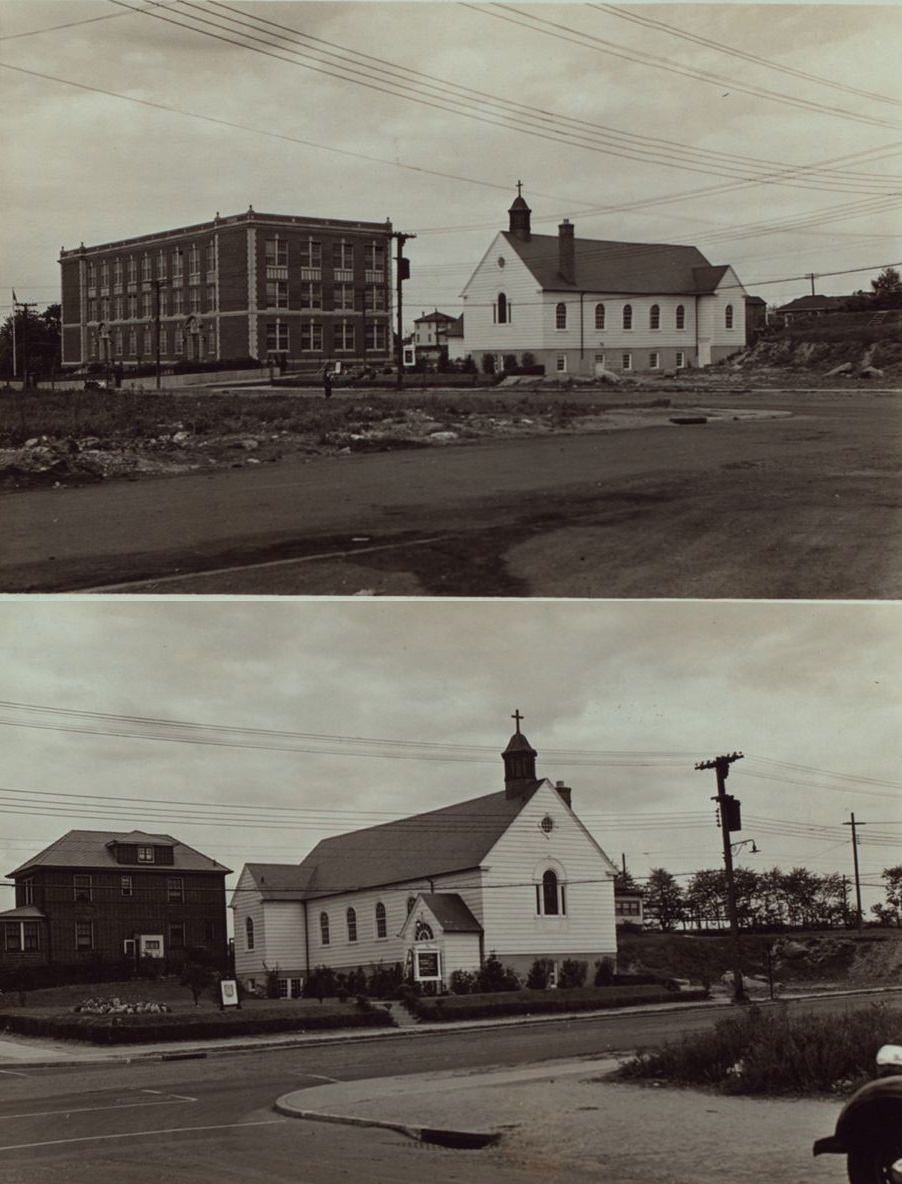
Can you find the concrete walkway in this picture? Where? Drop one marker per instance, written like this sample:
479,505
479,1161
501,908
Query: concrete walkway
568,1120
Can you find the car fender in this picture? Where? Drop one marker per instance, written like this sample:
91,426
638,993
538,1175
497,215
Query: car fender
875,1108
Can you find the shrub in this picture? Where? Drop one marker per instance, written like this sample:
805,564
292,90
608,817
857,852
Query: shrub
488,363
493,976
384,980
775,1051
510,362
321,983
573,973
539,974
487,1006
462,982
528,359
604,973
272,980
196,977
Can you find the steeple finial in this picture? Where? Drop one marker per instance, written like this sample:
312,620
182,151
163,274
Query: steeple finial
516,717
519,189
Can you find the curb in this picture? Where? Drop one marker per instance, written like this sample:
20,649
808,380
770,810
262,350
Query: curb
442,1136
450,1028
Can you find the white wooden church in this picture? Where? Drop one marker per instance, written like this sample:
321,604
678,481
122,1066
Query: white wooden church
585,306
513,872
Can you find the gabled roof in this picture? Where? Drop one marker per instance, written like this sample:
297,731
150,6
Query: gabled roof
451,839
456,328
605,266
277,881
93,849
451,912
810,303
440,317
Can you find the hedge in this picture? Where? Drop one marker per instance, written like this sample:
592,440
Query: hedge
141,1029
477,1007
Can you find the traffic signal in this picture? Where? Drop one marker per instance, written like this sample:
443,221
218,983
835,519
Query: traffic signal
404,268
731,806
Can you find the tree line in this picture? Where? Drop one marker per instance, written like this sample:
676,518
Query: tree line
766,900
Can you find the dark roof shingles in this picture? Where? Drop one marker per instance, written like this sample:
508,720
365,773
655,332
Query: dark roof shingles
604,266
91,849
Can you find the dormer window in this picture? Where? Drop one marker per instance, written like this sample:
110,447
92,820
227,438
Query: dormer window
145,855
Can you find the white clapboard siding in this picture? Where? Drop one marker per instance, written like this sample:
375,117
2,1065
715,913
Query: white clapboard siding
523,331
460,952
284,945
516,864
712,313
613,336
369,949
249,963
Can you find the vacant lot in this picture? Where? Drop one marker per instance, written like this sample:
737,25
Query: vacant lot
804,505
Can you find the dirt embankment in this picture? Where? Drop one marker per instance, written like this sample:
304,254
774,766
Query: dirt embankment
853,345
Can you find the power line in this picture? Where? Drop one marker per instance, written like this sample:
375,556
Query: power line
588,41
639,18
347,70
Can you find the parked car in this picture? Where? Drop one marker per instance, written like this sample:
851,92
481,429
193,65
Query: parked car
869,1128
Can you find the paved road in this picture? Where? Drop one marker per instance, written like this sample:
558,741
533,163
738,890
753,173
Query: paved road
206,1121
806,506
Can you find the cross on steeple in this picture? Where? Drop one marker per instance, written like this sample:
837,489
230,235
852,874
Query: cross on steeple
519,189
516,717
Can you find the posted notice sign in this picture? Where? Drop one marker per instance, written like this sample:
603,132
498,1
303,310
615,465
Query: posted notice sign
229,992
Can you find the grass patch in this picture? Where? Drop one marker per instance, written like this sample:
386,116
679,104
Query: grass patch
501,1003
773,1051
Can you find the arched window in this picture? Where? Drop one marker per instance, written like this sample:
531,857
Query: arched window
324,928
423,932
728,317
502,309
249,932
627,316
352,925
411,901
654,317
560,316
599,316
681,316
381,924
549,894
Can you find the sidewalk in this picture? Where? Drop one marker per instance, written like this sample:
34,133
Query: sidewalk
564,1120
36,1052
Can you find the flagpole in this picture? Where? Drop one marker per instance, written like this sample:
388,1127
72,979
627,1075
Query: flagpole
15,371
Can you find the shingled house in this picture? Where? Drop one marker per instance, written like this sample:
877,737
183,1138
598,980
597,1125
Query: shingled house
514,872
105,896
581,306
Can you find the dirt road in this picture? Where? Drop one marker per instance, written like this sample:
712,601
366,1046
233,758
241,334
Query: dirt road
801,506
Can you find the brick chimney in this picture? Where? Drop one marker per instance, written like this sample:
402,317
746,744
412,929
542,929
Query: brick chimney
564,791
566,252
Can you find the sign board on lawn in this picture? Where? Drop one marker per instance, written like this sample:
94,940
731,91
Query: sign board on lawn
229,990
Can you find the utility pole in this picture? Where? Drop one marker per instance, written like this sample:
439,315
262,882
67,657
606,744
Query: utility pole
853,825
812,277
728,810
25,307
402,268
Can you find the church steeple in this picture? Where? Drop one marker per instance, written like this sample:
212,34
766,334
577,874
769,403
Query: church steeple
519,763
519,216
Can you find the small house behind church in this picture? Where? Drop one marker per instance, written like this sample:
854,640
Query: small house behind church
513,872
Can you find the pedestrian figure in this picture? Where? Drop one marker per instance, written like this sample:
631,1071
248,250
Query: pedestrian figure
327,384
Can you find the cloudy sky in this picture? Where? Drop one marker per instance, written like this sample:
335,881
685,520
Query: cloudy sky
769,135
619,699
